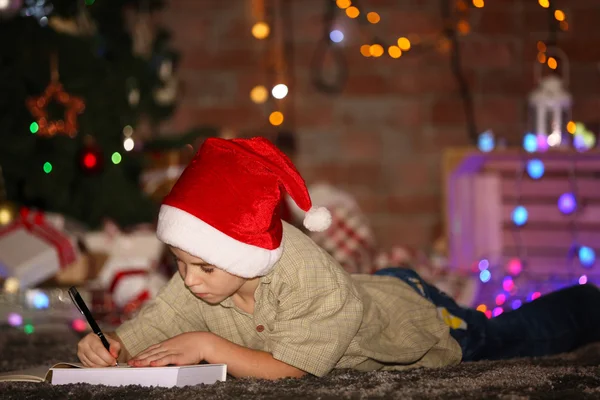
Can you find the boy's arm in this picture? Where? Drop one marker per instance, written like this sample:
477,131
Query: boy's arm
244,362
171,313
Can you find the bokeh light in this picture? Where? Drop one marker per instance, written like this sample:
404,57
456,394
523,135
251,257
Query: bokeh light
567,203
373,17
279,91
336,36
587,256
79,325
276,118
485,276
514,267
261,30
535,168
485,141
15,319
530,143
259,94
519,215
508,284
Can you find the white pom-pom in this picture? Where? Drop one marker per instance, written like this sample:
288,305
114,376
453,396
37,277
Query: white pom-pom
317,219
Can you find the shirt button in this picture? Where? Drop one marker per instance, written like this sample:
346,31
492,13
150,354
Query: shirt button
260,328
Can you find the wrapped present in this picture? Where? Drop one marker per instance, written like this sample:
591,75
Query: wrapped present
130,288
32,250
86,268
130,271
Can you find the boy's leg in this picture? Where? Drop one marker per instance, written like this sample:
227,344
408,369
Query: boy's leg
554,323
467,326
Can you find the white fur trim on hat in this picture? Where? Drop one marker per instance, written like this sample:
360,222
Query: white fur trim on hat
317,219
184,231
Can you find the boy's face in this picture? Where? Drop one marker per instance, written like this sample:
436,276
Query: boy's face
205,281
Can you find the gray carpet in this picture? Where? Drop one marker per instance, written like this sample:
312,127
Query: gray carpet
569,376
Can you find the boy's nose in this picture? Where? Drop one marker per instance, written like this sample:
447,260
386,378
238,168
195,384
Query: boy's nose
191,279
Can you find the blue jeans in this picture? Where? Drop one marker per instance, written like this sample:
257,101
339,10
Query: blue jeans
554,323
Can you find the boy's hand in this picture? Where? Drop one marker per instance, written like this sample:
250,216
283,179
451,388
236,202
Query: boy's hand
184,349
92,352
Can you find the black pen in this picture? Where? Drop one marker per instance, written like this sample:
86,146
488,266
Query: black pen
80,304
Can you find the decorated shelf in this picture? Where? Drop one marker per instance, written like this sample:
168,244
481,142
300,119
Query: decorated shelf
523,216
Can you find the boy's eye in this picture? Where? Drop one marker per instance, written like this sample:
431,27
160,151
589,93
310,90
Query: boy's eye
208,270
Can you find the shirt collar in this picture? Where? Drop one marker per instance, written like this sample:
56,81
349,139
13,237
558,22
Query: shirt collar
264,280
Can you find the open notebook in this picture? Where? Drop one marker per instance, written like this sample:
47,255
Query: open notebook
65,373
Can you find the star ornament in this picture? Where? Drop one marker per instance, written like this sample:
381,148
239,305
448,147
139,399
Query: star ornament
73,106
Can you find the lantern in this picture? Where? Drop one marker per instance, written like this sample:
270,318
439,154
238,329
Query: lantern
550,105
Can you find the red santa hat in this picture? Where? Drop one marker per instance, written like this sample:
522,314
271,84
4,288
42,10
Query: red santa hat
226,206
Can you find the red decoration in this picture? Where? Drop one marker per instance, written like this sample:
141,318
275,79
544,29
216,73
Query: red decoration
35,223
90,157
73,106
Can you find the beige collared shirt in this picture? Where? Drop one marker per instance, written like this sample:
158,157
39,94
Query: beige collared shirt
311,314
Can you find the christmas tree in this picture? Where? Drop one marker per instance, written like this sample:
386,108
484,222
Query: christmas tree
76,80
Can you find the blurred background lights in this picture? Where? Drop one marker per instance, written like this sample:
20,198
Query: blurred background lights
530,143
500,299
567,203
535,168
127,130
34,127
365,50
260,30
404,44
28,329
352,12
485,141
79,325
47,167
376,50
508,284
373,17
116,158
583,280
516,304
279,91
497,311
394,51
11,285
542,142
15,319
554,139
128,144
343,4
38,299
519,215
514,266
485,276
259,94
483,264
587,256
534,295
336,36
276,118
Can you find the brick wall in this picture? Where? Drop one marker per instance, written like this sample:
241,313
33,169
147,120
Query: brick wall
382,138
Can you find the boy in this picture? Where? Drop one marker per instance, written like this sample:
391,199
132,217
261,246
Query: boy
258,295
